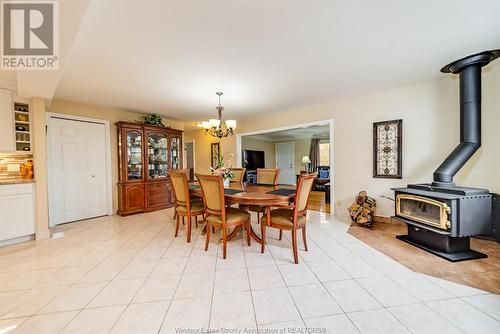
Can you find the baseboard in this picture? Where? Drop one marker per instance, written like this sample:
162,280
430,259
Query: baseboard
16,240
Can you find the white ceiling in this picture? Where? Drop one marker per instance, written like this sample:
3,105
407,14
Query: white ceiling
315,131
170,57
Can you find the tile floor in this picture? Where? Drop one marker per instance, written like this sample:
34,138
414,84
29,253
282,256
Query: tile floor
129,275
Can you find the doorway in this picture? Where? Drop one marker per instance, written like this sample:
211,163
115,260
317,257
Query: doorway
189,154
78,169
313,152
285,161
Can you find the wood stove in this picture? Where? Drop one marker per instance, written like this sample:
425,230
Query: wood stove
440,216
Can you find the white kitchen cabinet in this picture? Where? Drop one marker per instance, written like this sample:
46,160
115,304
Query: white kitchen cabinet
16,211
6,121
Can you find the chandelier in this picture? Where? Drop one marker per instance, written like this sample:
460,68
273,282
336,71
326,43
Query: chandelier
217,127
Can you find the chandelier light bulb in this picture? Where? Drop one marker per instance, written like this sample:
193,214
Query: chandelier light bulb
231,124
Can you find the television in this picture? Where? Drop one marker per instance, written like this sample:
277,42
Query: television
253,159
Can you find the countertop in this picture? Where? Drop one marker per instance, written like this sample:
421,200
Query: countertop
15,181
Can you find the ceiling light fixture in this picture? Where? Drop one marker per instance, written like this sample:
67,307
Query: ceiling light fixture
217,127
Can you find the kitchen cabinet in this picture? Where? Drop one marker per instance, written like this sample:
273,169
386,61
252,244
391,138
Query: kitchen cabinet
6,121
17,211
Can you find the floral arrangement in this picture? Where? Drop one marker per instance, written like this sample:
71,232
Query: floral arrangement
151,119
221,169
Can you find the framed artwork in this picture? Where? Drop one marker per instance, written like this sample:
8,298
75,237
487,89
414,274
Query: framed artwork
214,153
387,149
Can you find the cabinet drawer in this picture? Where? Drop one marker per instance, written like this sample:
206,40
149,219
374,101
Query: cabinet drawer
16,189
158,194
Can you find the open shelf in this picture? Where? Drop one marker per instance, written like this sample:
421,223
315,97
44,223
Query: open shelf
22,126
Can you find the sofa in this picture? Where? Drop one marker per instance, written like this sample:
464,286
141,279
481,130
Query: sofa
322,179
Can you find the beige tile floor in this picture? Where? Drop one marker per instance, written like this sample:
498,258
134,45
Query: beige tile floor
129,275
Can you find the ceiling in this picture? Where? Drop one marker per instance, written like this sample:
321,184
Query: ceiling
170,57
315,131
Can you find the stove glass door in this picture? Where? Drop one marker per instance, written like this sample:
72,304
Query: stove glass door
424,210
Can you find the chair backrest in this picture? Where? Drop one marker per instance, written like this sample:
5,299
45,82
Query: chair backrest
268,176
212,188
180,185
185,171
304,187
239,173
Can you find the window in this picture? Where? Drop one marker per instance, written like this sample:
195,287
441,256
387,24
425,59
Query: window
324,154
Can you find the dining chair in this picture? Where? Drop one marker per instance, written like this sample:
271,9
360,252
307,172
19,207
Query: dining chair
216,212
187,172
185,206
265,176
291,218
239,174
268,176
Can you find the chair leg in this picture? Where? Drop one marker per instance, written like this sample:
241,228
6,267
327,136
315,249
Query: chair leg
183,220
196,221
224,242
294,246
207,237
177,226
281,235
304,239
249,226
188,220
263,237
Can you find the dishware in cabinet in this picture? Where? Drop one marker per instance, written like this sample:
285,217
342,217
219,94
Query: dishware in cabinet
176,150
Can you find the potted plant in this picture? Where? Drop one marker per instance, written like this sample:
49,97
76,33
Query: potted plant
151,119
221,169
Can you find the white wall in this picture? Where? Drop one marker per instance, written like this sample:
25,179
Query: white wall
430,113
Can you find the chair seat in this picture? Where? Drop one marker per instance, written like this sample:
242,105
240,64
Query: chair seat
197,208
233,215
283,218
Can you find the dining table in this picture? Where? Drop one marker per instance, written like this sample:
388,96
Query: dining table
246,194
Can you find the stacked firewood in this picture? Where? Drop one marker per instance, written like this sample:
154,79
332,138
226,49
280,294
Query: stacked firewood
363,210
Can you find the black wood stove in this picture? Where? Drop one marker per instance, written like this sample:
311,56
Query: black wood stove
440,216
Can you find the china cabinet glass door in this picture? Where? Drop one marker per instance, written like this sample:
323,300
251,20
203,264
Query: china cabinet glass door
134,156
175,152
157,156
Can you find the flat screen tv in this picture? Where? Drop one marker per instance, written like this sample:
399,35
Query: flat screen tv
253,159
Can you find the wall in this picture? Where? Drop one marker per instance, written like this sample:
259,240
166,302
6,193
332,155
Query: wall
269,148
112,115
430,113
40,168
202,160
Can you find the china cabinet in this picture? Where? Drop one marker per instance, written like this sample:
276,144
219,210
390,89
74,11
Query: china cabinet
145,156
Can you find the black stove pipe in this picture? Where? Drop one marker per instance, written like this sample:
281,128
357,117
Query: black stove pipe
469,69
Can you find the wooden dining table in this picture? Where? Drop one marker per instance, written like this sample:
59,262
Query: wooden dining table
252,194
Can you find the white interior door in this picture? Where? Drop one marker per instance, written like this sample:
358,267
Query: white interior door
77,170
285,161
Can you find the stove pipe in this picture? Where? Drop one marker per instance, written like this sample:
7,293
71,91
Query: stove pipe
469,70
